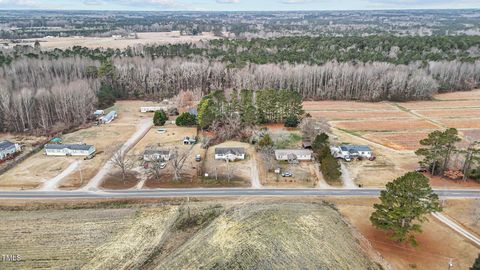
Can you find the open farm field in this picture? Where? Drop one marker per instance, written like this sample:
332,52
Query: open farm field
464,95
347,115
432,252
385,125
191,235
397,141
345,105
471,134
461,123
120,43
447,104
450,113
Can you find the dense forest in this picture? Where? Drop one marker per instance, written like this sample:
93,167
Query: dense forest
43,91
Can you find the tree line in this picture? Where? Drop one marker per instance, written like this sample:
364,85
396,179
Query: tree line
104,81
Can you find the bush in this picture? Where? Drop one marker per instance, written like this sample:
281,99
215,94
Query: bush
292,121
330,168
320,141
186,119
159,118
266,141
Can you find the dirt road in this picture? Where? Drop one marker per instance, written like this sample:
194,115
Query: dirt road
346,178
142,129
52,184
255,173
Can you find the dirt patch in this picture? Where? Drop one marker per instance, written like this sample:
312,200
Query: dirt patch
440,182
167,182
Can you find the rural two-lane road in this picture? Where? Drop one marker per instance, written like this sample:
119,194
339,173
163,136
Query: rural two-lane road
216,192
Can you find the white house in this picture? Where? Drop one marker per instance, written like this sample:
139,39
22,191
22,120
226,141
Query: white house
153,108
293,155
346,151
109,117
156,154
8,148
70,150
229,153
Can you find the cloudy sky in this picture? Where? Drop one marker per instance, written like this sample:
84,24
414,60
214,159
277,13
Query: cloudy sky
219,5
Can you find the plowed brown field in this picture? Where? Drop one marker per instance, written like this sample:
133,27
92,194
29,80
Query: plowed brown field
341,115
461,123
450,113
474,94
398,141
345,105
385,125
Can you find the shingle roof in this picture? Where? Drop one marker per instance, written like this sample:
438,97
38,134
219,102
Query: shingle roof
84,147
298,152
229,150
5,145
156,151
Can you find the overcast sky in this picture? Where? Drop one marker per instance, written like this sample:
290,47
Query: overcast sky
234,5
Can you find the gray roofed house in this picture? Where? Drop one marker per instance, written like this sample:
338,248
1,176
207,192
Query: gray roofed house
293,155
351,151
69,150
156,154
229,153
8,148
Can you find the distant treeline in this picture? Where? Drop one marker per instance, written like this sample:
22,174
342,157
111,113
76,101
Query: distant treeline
293,50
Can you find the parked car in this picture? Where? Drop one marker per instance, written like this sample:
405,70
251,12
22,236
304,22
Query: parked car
287,174
163,165
198,158
421,169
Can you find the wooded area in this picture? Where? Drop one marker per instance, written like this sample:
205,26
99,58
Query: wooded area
39,92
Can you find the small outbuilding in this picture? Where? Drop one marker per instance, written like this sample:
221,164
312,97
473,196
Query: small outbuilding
153,109
230,153
156,154
8,149
189,140
70,150
108,118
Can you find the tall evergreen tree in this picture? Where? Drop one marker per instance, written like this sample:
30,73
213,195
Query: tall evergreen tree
404,206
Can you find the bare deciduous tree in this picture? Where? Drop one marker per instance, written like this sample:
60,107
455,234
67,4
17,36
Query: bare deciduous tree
121,161
178,157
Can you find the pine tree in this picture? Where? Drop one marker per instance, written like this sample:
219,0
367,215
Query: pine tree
404,206
476,264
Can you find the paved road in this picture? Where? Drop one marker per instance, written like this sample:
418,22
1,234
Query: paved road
215,192
457,228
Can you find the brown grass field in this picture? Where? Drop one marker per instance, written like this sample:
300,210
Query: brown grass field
433,251
345,105
109,42
450,113
397,141
466,95
461,123
384,125
347,115
416,105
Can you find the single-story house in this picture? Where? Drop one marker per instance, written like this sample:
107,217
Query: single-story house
229,153
153,109
189,140
109,117
347,151
156,154
294,155
70,150
8,148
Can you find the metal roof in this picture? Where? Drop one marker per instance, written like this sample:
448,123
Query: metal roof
229,150
355,148
4,145
84,147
